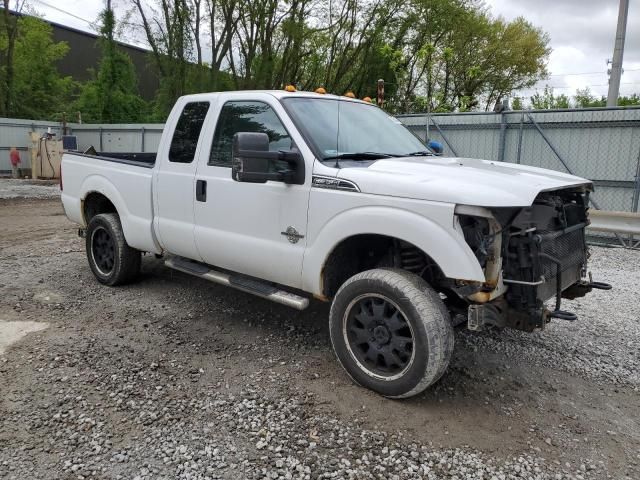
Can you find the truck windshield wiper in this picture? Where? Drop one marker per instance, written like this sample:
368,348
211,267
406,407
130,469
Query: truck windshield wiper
360,156
421,153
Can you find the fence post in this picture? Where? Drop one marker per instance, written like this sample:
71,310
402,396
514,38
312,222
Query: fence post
636,190
427,122
101,149
518,156
142,138
503,136
444,137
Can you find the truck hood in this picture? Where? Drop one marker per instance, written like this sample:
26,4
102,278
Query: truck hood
466,181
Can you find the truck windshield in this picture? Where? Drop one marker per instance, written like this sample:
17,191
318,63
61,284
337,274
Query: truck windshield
346,129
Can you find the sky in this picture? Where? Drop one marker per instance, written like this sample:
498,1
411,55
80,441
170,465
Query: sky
582,34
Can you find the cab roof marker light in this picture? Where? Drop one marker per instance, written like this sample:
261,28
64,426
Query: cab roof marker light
320,90
350,94
290,88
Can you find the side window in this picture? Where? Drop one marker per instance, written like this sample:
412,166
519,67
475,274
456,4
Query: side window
187,132
243,116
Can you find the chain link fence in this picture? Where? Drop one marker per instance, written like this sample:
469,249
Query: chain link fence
601,144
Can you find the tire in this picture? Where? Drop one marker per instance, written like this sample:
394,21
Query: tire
391,332
112,260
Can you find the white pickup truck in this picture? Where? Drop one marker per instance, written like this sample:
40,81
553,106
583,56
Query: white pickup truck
291,195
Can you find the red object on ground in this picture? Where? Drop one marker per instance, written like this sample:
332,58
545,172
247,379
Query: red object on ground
14,156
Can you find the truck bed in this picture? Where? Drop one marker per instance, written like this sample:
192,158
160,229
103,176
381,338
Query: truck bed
138,159
125,179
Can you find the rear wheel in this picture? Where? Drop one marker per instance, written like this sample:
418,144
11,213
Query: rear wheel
112,260
391,332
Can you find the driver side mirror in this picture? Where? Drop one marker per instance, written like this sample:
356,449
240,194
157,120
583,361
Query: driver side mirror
252,161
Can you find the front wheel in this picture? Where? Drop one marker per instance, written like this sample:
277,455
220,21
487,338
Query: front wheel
391,332
112,260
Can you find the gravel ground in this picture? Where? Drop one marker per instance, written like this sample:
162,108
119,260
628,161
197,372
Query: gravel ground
173,377
40,189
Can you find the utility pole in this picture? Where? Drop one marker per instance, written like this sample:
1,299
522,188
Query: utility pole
618,51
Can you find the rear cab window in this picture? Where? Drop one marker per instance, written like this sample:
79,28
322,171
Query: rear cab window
185,137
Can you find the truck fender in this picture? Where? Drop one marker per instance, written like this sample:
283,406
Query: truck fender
135,229
447,248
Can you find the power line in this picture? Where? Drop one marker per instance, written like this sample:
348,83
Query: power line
531,91
64,11
135,41
568,87
589,73
590,85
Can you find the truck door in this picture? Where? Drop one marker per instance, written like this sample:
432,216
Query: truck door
257,229
174,181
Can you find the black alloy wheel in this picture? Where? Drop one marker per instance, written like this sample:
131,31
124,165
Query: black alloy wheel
378,335
103,250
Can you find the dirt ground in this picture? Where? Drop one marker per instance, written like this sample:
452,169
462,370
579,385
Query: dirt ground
174,377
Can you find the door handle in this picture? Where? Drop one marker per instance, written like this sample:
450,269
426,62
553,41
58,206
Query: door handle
201,190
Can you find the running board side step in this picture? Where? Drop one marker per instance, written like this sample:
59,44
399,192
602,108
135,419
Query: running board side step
240,282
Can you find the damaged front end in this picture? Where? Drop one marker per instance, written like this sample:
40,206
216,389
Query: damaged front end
529,256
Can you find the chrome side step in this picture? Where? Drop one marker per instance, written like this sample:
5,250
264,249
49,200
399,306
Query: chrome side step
239,282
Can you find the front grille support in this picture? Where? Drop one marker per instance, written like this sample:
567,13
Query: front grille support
558,278
557,313
540,263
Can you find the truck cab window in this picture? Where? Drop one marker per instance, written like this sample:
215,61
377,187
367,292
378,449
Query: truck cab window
185,137
244,116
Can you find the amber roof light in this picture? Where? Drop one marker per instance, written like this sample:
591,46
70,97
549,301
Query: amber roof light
290,88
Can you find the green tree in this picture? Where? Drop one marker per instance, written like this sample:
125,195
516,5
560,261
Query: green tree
442,55
8,37
548,100
458,57
42,91
169,30
633,99
112,96
517,103
515,57
585,99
